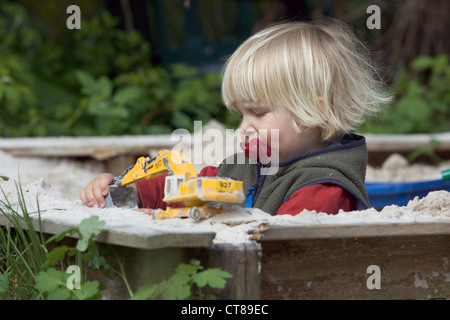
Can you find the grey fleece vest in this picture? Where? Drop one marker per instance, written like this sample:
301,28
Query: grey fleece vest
343,163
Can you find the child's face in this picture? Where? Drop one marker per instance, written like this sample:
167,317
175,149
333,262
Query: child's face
273,127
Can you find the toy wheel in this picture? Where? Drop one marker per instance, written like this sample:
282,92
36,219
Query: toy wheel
195,214
155,214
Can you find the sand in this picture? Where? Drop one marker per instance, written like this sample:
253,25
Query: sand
397,168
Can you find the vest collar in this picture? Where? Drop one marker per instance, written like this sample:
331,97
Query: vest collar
348,141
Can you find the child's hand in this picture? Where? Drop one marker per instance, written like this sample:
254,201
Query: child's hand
94,194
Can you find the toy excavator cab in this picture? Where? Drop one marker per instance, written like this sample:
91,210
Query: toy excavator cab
172,185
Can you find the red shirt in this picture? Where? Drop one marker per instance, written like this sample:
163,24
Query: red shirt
327,198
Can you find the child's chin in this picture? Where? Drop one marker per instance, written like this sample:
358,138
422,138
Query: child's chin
252,153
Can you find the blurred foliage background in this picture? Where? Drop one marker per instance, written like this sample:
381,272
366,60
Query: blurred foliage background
149,67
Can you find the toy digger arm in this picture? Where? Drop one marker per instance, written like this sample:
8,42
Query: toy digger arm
170,162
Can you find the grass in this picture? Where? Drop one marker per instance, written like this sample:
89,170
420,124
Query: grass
22,251
28,258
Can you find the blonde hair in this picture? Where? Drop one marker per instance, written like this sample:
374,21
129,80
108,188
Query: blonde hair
319,71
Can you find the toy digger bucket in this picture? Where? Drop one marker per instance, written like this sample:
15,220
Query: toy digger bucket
120,197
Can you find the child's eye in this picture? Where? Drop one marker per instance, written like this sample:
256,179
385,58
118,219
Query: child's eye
260,113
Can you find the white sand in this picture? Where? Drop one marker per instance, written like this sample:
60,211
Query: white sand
397,168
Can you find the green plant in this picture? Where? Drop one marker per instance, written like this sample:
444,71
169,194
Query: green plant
54,282
423,104
426,150
98,80
21,253
27,262
147,101
186,283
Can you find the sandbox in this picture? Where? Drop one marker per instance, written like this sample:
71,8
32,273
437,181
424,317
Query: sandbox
308,256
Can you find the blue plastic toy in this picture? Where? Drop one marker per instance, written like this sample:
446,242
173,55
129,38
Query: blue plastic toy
383,194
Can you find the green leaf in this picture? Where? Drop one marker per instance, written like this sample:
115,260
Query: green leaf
95,259
213,277
61,235
146,292
50,280
55,256
422,63
179,285
440,64
188,269
88,229
128,94
104,86
4,178
120,112
88,83
98,106
177,288
88,290
59,294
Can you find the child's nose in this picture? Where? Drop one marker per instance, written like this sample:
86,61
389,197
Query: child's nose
246,127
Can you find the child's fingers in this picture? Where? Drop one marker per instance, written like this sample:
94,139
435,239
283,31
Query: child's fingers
146,211
99,198
87,196
83,197
101,188
94,194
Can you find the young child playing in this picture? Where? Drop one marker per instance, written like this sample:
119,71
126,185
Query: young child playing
308,85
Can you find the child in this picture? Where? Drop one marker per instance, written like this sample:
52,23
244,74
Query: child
306,86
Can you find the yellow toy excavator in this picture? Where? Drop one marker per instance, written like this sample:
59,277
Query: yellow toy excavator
201,196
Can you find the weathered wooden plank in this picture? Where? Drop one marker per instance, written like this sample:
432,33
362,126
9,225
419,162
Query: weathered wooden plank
292,232
100,148
242,261
411,267
406,142
132,236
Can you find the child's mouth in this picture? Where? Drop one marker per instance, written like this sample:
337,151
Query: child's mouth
255,149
